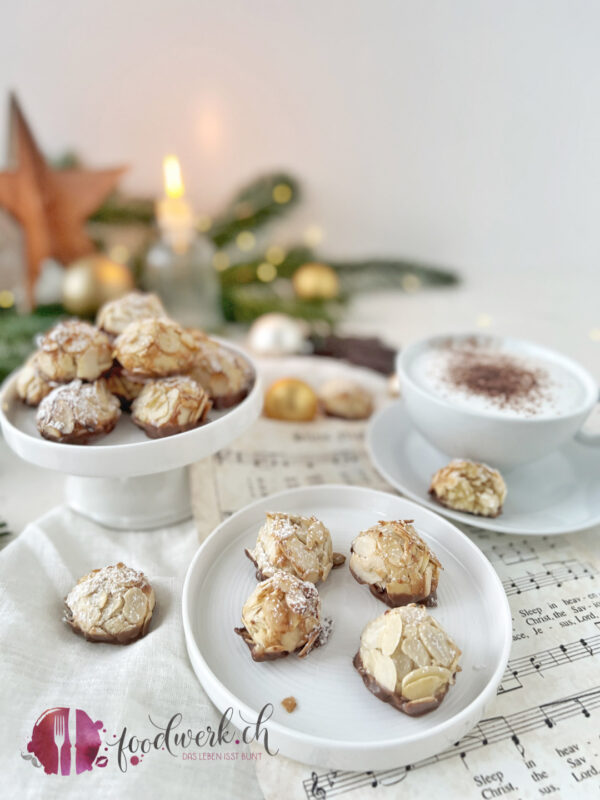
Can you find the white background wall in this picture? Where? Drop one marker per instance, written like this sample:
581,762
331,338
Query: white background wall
461,131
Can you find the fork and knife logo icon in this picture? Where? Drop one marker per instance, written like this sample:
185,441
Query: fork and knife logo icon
61,731
65,741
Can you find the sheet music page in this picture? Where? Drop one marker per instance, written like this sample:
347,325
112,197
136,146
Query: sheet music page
541,735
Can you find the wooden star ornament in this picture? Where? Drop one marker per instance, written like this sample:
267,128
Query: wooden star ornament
51,205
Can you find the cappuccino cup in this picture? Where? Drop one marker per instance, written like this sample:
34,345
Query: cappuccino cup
496,399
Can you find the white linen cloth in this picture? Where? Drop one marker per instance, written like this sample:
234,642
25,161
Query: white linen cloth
45,664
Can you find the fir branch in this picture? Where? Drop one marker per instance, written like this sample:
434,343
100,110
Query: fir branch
253,207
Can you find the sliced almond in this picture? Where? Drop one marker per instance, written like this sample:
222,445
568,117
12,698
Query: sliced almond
135,605
424,683
391,633
415,649
384,671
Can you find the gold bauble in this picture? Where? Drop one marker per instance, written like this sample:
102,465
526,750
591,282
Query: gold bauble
92,281
291,400
315,281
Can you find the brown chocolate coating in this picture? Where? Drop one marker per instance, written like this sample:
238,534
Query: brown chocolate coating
81,437
440,502
160,431
414,708
396,600
261,655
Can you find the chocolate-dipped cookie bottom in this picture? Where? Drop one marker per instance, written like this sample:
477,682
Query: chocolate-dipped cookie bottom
396,600
414,708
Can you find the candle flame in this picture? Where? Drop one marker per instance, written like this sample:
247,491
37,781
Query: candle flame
173,181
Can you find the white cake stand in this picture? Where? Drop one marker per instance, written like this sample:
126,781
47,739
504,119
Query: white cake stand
127,480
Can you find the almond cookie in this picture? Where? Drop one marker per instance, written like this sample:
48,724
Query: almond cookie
281,616
113,604
396,564
470,487
114,316
223,373
30,385
123,385
407,659
77,412
300,546
155,348
74,349
346,399
170,405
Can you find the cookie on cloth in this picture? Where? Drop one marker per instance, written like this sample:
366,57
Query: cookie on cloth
155,348
395,563
223,373
281,616
114,316
298,545
77,412
170,405
74,349
407,659
113,604
30,385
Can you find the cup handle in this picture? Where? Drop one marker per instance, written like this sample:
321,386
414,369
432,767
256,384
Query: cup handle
588,438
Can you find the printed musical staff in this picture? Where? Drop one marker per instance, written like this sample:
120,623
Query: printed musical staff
487,732
518,668
520,551
555,574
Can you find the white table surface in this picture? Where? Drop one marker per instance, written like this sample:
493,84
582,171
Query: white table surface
556,310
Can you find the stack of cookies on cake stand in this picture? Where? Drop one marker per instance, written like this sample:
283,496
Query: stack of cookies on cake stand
135,375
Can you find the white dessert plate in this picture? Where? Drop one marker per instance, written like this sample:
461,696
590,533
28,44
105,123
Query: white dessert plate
556,494
338,723
126,451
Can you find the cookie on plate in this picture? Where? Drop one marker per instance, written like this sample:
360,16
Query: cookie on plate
113,604
281,616
114,316
223,373
155,348
77,412
469,487
407,659
74,349
30,385
298,545
170,405
395,563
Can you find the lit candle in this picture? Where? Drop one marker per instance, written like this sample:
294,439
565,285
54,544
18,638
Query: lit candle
174,214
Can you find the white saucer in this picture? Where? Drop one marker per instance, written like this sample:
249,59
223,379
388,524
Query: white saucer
557,494
338,723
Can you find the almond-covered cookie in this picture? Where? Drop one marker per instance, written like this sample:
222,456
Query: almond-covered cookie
113,604
155,348
298,545
340,397
123,385
74,349
114,316
281,616
395,563
222,372
170,405
407,659
30,385
77,412
469,487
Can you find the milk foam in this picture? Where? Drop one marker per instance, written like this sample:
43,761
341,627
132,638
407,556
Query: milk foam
561,391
